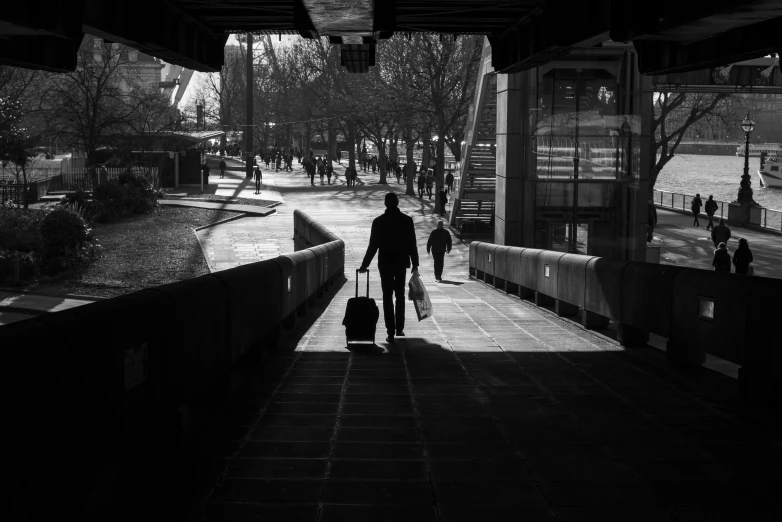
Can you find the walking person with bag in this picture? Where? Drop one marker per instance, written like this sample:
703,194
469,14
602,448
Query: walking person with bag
429,183
421,184
393,239
438,245
710,208
742,258
720,234
222,168
695,207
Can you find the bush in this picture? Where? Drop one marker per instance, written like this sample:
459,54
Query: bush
67,241
129,193
19,228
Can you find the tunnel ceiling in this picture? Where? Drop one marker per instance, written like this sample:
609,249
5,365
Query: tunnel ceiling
670,36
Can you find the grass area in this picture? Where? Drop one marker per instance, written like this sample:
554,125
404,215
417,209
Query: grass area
139,252
211,198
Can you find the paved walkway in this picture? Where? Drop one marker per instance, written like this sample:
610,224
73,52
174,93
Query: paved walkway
16,305
684,244
492,410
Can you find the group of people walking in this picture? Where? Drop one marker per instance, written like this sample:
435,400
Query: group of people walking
720,235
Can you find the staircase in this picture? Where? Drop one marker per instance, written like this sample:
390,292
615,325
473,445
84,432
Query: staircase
473,212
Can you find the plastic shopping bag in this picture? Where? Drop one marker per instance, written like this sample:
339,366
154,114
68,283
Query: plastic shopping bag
416,288
423,307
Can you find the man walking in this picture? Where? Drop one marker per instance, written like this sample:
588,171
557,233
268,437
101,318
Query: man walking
651,220
720,234
421,184
710,208
393,234
222,168
429,183
439,244
449,181
695,206
258,179
442,199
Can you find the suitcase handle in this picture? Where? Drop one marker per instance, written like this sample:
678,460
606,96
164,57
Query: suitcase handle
367,282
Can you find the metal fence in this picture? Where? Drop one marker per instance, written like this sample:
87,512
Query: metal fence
760,216
86,179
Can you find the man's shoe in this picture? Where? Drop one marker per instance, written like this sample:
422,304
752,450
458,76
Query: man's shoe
390,339
400,333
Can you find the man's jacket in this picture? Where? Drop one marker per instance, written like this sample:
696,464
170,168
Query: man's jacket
439,241
393,234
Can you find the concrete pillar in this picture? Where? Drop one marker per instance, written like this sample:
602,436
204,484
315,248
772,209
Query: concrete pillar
510,147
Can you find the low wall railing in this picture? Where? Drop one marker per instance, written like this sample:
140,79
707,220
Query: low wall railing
115,374
699,312
759,216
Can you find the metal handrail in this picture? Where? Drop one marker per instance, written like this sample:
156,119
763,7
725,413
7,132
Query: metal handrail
760,216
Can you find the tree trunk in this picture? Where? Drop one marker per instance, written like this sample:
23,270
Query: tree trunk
331,151
439,176
306,147
425,156
381,162
351,140
410,167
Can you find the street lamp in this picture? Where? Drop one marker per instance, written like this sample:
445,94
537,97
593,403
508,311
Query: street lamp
745,192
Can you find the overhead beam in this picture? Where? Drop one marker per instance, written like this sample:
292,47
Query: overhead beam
302,22
658,57
48,53
158,29
57,17
549,33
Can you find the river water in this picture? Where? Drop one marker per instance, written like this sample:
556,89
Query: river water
715,175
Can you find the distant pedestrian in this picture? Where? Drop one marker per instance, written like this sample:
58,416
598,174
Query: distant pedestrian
449,181
277,162
205,170
429,183
310,165
710,208
321,169
442,199
329,172
721,261
720,233
742,258
438,245
421,184
258,179
695,206
222,168
651,220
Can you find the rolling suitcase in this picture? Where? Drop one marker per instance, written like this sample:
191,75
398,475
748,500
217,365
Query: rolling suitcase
361,317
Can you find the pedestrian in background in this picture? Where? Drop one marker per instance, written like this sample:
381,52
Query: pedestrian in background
710,208
329,172
449,181
438,245
721,261
742,258
421,184
720,233
442,198
258,179
429,183
695,206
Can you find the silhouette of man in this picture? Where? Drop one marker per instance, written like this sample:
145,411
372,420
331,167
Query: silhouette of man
393,234
258,179
438,245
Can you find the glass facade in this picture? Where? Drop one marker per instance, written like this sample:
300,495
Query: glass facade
583,135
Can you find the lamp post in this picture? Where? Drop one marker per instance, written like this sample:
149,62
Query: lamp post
739,211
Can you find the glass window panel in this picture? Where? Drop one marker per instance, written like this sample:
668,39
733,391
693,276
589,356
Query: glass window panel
554,195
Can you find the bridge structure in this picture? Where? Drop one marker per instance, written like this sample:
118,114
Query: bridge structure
182,400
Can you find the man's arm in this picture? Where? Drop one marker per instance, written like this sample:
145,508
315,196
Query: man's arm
371,249
412,245
429,242
448,242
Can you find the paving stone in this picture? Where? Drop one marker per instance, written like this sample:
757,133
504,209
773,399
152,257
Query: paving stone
488,493
378,469
392,434
378,450
219,512
502,470
467,513
279,449
291,434
350,513
379,492
612,514
276,491
277,468
587,470
288,419
625,493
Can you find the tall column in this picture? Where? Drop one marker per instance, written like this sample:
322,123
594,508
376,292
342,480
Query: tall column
510,154
248,127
